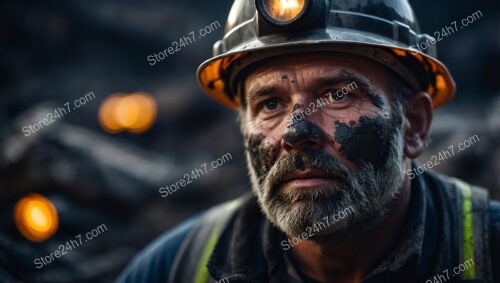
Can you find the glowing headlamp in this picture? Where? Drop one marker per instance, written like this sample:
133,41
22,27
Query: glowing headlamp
282,12
284,16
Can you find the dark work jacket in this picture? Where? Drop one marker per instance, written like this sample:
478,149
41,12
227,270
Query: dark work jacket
249,248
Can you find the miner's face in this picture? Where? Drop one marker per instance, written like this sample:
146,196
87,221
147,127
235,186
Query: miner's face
321,137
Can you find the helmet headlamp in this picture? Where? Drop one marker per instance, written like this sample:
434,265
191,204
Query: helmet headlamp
281,12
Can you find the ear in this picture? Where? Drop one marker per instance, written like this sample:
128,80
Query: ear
418,117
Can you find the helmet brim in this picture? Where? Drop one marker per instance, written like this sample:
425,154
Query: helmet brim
215,74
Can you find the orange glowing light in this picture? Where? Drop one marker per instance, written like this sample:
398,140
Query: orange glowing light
147,112
135,112
36,217
107,114
284,10
127,112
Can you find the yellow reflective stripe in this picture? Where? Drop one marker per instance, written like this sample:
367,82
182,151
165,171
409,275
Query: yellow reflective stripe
468,229
201,274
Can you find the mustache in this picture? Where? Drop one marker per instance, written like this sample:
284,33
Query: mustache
318,161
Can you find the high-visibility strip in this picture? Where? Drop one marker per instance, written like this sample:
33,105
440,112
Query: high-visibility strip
468,229
201,275
202,270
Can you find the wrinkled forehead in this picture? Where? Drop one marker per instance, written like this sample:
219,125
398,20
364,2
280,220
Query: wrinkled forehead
314,66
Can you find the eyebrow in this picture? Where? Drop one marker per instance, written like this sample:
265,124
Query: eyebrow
262,91
343,76
347,77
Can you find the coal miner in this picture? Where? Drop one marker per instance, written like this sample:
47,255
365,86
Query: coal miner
334,105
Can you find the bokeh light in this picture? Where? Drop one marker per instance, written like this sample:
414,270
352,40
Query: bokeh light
134,112
36,217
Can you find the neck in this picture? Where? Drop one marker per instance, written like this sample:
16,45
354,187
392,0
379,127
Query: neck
349,260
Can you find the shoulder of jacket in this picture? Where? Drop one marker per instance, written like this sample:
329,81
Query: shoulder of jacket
156,262
190,264
153,263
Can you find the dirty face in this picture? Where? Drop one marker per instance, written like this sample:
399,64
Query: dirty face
321,137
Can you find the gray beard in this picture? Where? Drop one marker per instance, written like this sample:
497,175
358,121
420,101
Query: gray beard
368,193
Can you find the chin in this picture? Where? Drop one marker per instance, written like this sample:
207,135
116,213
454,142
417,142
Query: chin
312,215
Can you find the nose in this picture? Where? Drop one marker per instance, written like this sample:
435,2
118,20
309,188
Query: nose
302,136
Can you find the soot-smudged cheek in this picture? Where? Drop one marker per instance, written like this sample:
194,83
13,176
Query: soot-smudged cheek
262,154
365,141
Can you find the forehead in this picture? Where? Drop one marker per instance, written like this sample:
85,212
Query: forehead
305,67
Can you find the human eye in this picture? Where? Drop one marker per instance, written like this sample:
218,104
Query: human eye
269,106
337,95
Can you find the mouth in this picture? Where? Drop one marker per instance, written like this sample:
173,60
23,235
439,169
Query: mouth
306,179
